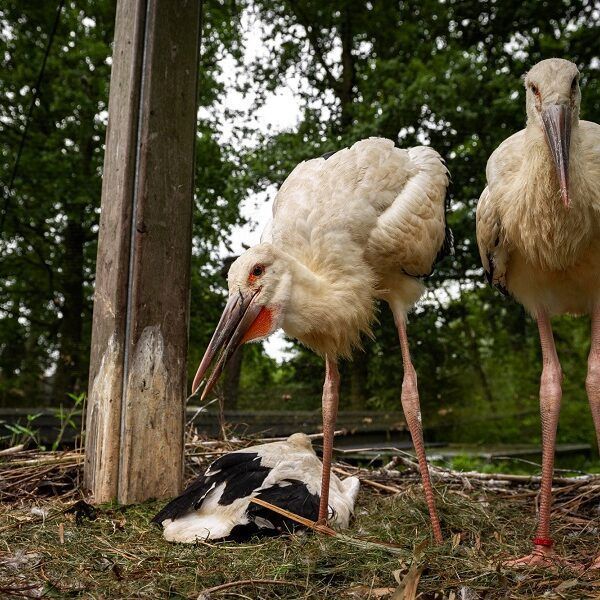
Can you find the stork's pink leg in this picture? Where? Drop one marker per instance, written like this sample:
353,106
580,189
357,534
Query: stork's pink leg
550,397
592,384
331,389
412,414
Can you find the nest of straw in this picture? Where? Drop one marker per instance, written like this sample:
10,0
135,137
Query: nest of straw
55,545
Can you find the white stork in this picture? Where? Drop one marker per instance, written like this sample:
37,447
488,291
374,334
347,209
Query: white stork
364,223
538,231
286,474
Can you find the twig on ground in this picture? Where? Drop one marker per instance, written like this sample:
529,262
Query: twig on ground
373,484
225,586
357,541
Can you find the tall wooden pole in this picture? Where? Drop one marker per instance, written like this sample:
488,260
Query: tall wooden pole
135,417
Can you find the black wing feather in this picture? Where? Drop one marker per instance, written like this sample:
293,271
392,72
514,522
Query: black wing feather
489,275
328,154
447,247
241,472
293,497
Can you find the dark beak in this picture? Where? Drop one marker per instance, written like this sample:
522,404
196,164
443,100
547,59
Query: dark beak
239,313
557,124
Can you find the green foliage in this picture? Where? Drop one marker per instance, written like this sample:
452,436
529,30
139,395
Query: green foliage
48,242
22,434
66,417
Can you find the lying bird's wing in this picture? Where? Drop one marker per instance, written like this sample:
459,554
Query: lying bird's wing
290,494
238,473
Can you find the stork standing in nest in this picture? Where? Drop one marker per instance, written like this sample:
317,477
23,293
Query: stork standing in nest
362,224
538,231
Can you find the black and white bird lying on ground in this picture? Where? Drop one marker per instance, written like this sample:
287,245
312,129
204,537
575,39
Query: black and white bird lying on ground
286,474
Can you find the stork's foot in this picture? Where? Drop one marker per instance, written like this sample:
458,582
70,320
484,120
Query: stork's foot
542,556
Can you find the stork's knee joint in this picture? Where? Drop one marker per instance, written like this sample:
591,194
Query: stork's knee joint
410,376
410,389
592,381
551,380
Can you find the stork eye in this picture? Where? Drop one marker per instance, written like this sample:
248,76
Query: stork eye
535,89
258,270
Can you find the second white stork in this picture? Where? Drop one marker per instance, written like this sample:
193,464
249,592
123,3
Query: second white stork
365,223
538,230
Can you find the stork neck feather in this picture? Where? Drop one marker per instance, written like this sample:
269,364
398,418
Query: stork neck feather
328,311
534,218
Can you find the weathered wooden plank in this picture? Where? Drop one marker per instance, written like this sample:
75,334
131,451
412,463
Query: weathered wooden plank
137,386
112,268
153,417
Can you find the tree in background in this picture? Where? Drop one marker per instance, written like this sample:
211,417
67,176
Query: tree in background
50,217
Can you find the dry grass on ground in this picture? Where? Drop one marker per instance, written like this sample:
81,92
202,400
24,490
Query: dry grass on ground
55,554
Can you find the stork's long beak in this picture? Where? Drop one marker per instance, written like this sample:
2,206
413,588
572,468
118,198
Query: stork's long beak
557,124
238,315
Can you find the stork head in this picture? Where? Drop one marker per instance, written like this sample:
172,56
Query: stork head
259,286
553,99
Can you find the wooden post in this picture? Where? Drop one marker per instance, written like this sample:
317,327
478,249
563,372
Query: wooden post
135,417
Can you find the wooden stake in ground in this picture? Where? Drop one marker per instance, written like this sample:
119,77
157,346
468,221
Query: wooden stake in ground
135,416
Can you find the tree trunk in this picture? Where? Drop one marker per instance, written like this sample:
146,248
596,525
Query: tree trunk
477,360
70,367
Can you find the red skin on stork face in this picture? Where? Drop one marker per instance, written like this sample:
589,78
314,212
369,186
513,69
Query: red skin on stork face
261,326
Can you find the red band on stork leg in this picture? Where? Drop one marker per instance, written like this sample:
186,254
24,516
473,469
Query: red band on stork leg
542,541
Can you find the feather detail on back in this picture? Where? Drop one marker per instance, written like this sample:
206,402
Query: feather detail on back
411,231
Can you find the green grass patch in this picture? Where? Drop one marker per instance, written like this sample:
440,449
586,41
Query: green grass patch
121,555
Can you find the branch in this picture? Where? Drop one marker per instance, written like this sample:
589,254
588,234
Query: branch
225,586
318,49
